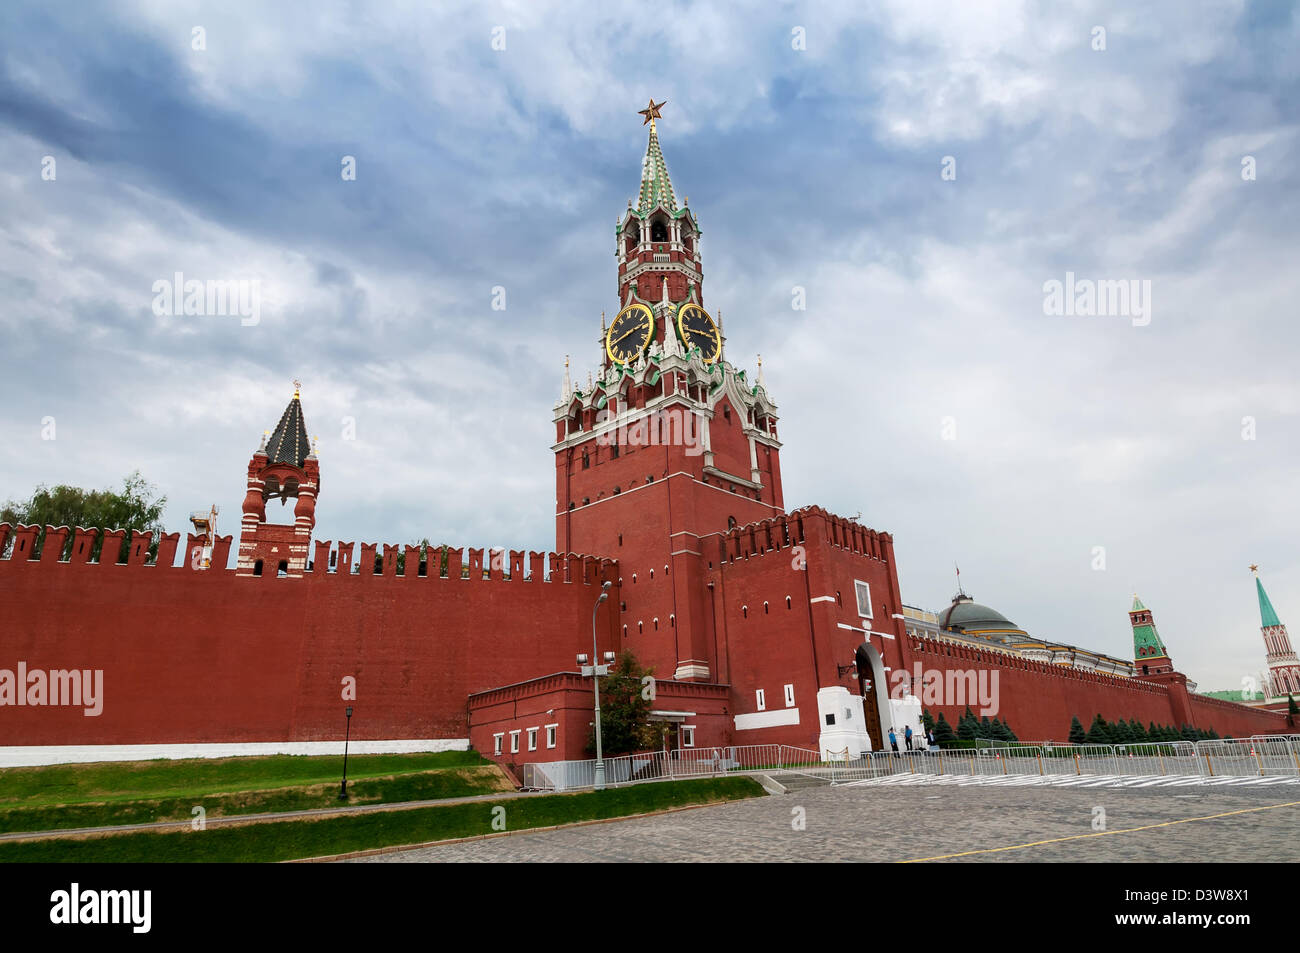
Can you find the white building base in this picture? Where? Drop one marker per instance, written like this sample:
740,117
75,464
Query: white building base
843,730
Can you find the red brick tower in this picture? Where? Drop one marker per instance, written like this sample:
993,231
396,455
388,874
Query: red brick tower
284,466
1149,654
671,446
1283,666
1153,664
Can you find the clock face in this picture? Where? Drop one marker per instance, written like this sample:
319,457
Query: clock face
698,330
630,334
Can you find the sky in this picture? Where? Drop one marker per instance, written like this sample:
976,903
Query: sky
916,174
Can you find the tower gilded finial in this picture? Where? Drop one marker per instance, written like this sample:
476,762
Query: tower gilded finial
297,388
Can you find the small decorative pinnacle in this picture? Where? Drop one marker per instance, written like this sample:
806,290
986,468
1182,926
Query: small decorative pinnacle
297,386
602,321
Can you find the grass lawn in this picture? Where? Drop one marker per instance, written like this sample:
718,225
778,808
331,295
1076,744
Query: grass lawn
92,795
290,840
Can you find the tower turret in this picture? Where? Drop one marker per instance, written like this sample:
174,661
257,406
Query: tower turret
1283,666
657,244
668,446
283,467
1149,654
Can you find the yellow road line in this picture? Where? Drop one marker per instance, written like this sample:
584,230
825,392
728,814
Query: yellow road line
1127,830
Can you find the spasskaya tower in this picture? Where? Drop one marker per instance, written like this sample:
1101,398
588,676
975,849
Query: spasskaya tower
668,445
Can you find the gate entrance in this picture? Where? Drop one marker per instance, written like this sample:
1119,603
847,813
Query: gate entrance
870,703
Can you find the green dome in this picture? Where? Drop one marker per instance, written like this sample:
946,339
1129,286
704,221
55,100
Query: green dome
964,614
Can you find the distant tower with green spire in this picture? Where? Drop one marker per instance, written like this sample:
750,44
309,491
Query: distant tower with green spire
1283,666
1149,654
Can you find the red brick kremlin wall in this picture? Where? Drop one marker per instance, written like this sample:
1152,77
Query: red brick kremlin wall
199,656
1038,699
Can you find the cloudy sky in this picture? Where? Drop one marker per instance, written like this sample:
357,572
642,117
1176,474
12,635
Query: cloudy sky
923,385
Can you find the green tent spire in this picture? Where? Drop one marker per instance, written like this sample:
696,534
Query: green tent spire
1146,640
656,187
1267,617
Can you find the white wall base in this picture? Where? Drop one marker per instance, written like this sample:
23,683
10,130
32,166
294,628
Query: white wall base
847,736
767,719
16,756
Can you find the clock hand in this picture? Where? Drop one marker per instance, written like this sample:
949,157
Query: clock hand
625,334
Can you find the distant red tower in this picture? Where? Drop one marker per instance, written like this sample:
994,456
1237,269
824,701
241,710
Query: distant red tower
283,467
672,446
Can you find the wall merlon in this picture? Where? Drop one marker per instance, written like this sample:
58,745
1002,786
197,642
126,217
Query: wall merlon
167,544
111,547
52,548
83,542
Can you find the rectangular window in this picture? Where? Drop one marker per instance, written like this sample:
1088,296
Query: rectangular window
762,700
496,742
688,736
550,735
789,696
830,718
864,598
514,741
532,739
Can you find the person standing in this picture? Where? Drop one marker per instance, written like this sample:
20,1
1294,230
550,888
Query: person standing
907,737
893,739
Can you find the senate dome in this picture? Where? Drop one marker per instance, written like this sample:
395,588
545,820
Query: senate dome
966,615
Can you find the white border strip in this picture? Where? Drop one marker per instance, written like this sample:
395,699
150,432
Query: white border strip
15,756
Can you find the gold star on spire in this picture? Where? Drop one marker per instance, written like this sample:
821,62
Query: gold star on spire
651,112
1254,568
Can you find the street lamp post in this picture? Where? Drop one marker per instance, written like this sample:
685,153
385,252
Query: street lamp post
343,791
598,781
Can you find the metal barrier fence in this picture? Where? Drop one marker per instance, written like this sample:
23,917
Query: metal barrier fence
1267,756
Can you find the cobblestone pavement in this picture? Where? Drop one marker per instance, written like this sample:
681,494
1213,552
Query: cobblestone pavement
910,823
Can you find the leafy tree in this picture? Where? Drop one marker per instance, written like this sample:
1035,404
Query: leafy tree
1077,735
624,710
137,507
943,732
